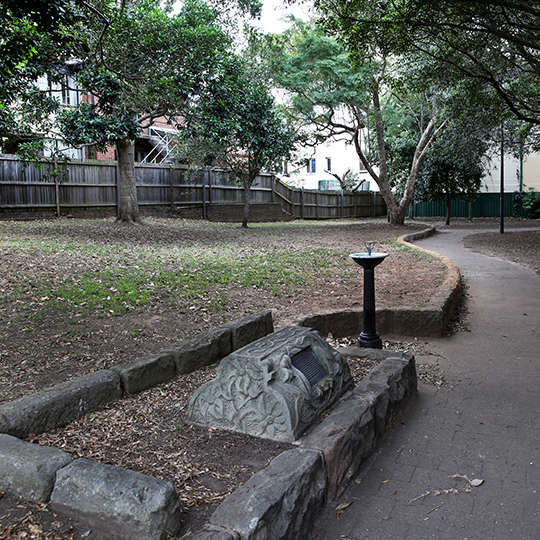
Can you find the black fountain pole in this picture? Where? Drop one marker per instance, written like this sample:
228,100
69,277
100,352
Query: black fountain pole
369,338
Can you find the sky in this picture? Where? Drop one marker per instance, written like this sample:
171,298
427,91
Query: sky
273,13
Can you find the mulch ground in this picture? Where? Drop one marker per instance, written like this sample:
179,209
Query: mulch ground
146,432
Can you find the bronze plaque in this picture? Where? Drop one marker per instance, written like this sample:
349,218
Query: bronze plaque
307,362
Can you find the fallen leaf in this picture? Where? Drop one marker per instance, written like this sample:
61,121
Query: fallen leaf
476,482
342,506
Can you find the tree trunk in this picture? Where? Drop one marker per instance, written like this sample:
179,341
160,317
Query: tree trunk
128,205
397,210
247,201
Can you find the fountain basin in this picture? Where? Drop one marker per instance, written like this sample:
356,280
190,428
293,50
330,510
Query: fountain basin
368,260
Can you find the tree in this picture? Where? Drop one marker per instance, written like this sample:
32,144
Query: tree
138,61
489,44
334,97
445,178
32,44
142,62
237,127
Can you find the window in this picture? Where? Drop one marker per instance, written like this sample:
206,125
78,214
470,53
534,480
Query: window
312,166
328,164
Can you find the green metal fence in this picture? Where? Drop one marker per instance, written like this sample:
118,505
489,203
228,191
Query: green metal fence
486,205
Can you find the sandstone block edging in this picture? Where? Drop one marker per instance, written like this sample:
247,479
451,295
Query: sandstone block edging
145,372
29,470
279,502
211,346
427,321
297,482
349,434
449,293
64,402
118,501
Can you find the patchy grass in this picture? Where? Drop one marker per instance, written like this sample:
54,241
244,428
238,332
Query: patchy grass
111,274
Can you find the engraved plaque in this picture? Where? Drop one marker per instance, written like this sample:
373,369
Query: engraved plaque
306,362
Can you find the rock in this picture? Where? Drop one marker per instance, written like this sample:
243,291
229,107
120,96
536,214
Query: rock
348,435
274,387
279,502
389,386
346,438
250,328
145,372
117,501
28,470
203,350
64,402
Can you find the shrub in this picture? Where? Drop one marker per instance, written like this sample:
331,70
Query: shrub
531,203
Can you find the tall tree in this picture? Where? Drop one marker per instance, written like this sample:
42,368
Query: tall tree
335,97
142,62
237,127
32,44
139,61
491,44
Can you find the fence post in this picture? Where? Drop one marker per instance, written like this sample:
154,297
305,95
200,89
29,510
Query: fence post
171,182
302,203
342,203
56,174
117,190
204,192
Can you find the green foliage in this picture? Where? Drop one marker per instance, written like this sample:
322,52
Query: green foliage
531,203
235,125
144,63
32,40
338,95
491,47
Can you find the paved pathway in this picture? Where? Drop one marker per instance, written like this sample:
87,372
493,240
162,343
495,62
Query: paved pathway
483,426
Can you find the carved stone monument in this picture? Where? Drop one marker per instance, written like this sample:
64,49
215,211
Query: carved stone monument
274,387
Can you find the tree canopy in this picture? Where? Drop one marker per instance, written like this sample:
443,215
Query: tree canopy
135,61
236,126
334,97
491,44
32,43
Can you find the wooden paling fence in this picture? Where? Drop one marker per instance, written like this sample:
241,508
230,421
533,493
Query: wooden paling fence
89,188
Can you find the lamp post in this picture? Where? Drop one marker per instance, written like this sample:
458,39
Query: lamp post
369,338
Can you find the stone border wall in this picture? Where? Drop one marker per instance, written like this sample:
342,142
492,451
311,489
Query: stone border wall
429,321
278,503
282,501
107,498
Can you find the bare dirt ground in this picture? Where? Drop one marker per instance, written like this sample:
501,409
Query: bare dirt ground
145,432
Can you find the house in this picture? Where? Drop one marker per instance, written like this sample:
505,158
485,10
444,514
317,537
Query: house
155,145
519,174
319,164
